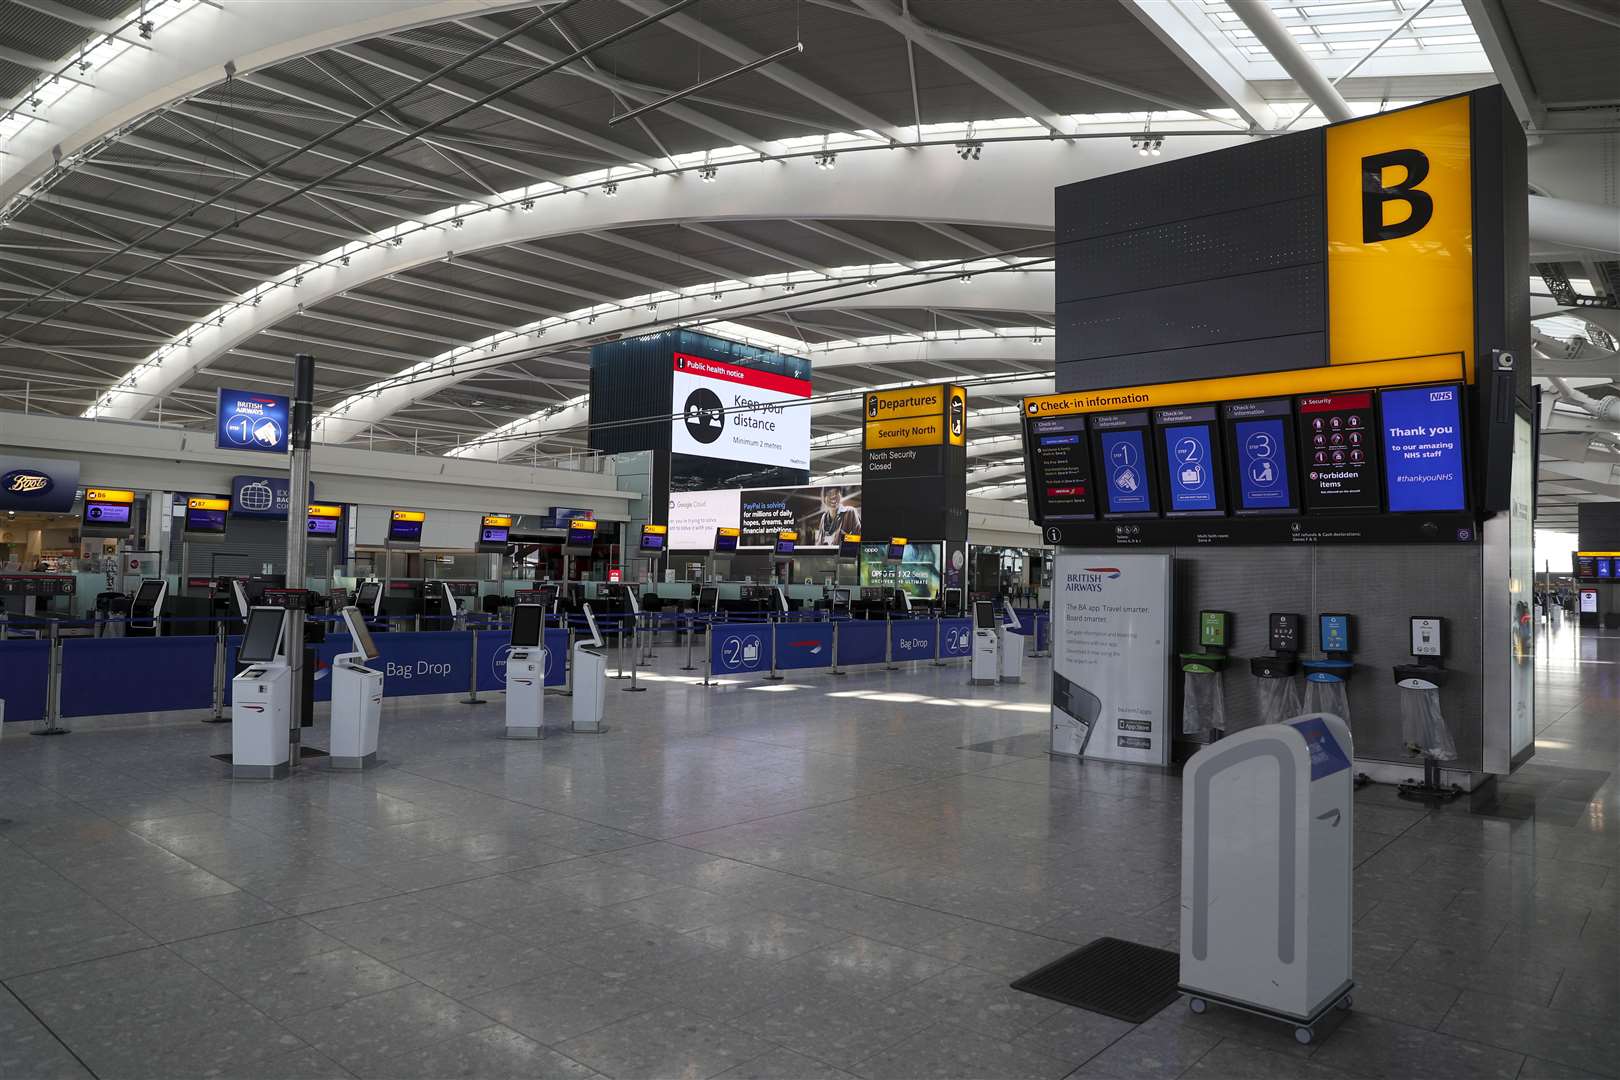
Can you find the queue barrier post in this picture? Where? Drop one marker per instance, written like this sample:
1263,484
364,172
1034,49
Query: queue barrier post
939,633
568,668
774,673
888,644
708,656
635,656
472,697
691,633
835,623
219,675
53,686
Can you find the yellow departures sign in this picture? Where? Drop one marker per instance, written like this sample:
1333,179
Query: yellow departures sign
1400,235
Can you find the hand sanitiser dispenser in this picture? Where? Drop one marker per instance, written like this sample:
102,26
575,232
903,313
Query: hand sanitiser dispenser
1266,830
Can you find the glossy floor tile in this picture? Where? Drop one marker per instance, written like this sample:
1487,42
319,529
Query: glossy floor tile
821,877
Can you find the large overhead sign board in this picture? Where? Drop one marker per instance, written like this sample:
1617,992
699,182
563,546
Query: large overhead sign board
739,413
914,461
249,420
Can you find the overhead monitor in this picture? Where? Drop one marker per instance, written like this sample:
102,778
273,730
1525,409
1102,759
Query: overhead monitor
1606,567
1337,452
1191,476
896,551
528,625
984,615
653,538
1585,566
494,532
581,534
360,633
1263,477
1422,434
849,546
1589,601
725,540
323,521
785,540
261,639
205,516
590,622
708,599
1059,455
405,526
368,597
1123,449
107,511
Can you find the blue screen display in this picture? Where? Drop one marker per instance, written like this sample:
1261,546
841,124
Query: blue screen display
409,531
107,514
252,421
1605,567
1192,474
1262,463
321,526
1124,463
1059,440
1423,459
205,521
1335,633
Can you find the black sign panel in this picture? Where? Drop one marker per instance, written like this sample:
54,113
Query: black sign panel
1263,477
1586,567
1338,436
1188,443
1059,456
1284,631
1122,445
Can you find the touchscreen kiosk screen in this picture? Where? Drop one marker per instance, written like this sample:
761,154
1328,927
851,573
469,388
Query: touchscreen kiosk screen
1423,455
527,620
360,633
708,598
366,598
984,615
262,638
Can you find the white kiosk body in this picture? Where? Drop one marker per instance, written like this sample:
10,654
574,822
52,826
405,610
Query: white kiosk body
261,699
1012,646
357,693
590,678
526,674
1266,843
986,667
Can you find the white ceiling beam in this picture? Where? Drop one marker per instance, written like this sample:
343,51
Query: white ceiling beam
958,58
1502,50
751,245
779,72
1269,30
1177,26
847,238
966,239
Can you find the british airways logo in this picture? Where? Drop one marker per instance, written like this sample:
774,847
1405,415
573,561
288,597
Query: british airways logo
1109,571
1089,579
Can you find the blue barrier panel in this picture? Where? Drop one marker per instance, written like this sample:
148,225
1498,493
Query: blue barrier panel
912,639
24,666
494,645
1043,632
803,645
955,638
860,641
739,648
102,676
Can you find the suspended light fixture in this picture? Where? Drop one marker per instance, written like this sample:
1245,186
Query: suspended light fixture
708,174
826,160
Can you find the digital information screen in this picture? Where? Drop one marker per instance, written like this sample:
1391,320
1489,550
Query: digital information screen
321,527
1605,568
1124,455
725,540
785,542
1060,455
1190,448
405,526
581,533
1422,443
1335,633
1336,446
107,512
494,530
207,516
897,549
1586,567
850,546
653,537
1588,601
1261,437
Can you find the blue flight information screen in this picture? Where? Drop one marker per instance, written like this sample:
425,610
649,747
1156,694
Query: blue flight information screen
1191,451
1423,457
252,421
1123,462
1261,439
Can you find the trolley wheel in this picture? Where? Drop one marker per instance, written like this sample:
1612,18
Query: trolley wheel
1197,1005
1346,1001
1304,1035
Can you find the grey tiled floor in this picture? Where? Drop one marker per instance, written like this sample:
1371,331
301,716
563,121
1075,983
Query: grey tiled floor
796,880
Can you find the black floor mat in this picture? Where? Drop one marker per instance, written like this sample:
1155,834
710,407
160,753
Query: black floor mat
1117,978
307,752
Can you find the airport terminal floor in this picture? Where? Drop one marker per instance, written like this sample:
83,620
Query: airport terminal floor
825,878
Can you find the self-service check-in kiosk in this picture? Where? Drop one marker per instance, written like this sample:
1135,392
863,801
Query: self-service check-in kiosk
146,610
1266,871
1012,646
590,678
986,666
261,697
526,674
357,693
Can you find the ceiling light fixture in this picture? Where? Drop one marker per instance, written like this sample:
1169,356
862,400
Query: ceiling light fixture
708,174
969,150
826,160
526,205
456,223
611,188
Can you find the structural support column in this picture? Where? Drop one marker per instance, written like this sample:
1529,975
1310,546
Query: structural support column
303,412
1265,25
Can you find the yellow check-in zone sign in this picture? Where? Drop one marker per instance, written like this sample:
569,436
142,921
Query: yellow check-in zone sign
1317,380
911,401
108,495
204,503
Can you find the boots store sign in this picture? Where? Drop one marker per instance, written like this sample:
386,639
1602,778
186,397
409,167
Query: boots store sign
44,485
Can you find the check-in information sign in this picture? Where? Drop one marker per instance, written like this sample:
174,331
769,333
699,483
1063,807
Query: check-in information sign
1111,619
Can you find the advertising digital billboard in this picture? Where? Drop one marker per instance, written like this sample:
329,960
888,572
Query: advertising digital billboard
1423,448
1336,434
1190,450
1261,437
821,515
737,413
1124,456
